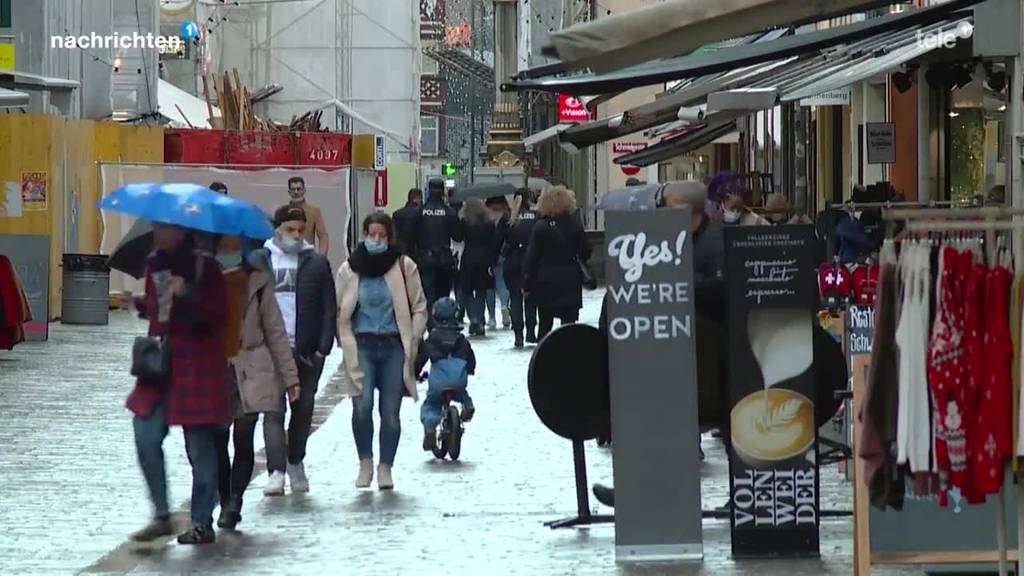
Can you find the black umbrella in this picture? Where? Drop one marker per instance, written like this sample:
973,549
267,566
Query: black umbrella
132,251
485,191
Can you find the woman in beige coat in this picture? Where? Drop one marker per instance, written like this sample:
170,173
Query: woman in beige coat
382,314
264,371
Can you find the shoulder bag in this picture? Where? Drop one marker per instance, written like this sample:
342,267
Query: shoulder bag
586,277
151,355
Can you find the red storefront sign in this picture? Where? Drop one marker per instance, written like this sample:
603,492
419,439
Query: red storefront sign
572,109
623,148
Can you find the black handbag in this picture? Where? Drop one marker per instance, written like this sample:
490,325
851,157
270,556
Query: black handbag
151,355
151,358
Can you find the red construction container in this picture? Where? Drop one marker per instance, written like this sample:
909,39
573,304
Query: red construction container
324,148
190,146
267,148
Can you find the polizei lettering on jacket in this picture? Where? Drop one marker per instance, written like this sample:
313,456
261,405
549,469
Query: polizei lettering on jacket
633,254
435,212
775,498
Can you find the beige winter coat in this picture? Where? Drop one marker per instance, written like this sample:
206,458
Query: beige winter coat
410,312
265,366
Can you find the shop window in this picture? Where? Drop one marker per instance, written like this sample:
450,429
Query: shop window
428,65
428,135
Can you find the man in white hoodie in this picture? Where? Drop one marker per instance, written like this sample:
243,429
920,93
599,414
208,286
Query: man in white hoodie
304,287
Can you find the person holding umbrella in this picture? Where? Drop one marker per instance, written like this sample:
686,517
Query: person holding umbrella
181,366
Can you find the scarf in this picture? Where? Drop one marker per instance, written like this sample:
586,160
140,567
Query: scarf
373,265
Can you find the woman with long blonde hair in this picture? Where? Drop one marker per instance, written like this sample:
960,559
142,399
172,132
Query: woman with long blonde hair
552,269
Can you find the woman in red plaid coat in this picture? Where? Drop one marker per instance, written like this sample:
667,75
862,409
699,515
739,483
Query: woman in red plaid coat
185,300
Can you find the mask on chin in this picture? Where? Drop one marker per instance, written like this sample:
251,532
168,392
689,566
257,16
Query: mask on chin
289,245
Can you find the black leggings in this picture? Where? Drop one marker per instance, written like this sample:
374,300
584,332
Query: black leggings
234,477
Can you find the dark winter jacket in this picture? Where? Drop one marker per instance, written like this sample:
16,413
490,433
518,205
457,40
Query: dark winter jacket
405,219
316,308
436,227
482,245
551,273
445,341
197,391
517,240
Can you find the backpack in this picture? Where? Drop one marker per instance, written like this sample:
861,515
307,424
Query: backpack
448,372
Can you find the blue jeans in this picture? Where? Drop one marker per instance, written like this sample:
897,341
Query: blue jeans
430,412
382,361
500,290
200,443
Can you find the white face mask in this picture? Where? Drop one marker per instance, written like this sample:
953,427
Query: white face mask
290,245
731,216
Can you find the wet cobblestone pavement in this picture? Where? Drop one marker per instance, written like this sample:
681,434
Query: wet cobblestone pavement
71,491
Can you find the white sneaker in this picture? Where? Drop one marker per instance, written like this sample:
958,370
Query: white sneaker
384,481
275,484
492,324
365,474
297,477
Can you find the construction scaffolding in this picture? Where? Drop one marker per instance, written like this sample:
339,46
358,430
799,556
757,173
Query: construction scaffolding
324,52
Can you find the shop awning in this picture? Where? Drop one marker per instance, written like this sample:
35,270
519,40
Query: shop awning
766,47
533,140
13,99
851,64
181,108
793,78
676,27
666,108
26,81
716,126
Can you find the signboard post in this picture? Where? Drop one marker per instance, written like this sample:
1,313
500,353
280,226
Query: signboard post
772,300
623,148
650,333
380,158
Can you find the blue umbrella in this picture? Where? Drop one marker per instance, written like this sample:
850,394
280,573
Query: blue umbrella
191,206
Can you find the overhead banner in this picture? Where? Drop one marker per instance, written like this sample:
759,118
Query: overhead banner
652,370
772,301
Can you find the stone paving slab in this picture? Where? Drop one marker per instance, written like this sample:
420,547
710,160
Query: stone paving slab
71,489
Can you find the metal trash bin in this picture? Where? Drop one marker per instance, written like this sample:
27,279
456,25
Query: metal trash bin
86,293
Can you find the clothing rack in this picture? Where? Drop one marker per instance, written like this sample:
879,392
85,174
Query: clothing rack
903,204
984,219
